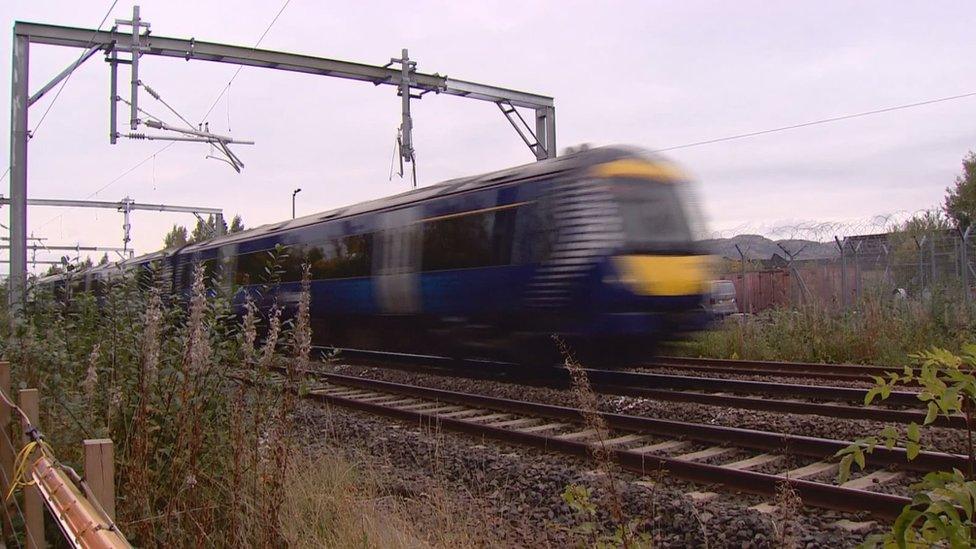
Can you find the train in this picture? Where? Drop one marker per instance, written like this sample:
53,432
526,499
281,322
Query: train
599,247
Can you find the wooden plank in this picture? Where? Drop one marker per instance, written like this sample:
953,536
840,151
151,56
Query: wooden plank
6,447
544,427
515,422
100,472
812,470
753,462
33,503
705,454
877,477
487,418
463,413
662,446
625,439
576,434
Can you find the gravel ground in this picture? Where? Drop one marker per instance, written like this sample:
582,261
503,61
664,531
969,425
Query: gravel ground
933,438
518,490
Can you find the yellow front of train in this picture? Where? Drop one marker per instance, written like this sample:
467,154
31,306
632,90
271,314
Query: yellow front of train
654,283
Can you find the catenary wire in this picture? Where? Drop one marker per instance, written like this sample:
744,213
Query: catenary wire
241,67
816,122
66,78
167,146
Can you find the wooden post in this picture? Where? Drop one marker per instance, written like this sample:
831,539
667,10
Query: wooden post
33,502
6,447
100,472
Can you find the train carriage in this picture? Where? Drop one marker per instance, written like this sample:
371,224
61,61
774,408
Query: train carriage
597,246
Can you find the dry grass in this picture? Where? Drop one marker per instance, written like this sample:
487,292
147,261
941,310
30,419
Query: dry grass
330,502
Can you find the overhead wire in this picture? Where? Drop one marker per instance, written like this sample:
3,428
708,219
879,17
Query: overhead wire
816,122
170,144
241,67
68,77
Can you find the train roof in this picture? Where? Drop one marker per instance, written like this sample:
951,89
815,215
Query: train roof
582,158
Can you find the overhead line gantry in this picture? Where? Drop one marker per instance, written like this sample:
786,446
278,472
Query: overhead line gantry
411,84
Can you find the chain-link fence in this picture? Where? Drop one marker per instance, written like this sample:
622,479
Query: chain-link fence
835,275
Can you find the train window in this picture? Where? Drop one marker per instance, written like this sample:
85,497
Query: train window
251,268
345,257
653,215
458,242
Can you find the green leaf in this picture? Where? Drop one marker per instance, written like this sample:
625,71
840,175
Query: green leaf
844,472
913,432
912,448
932,413
859,458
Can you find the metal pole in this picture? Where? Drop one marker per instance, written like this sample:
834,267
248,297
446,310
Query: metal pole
293,193
18,174
551,131
965,265
134,100
113,98
843,274
406,127
219,224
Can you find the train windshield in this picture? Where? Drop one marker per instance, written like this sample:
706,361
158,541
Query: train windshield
655,216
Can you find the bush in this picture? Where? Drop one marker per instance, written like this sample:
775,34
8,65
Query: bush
879,330
200,459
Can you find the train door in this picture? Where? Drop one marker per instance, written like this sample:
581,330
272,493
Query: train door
396,258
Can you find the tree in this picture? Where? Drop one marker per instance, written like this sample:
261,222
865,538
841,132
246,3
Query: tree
104,259
960,200
176,237
237,224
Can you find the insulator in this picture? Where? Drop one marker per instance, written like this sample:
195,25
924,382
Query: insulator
136,135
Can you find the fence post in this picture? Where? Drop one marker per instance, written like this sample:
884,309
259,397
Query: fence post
33,503
100,472
857,272
746,290
843,273
965,266
6,446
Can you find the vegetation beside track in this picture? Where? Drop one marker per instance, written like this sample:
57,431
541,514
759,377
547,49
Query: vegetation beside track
200,461
877,330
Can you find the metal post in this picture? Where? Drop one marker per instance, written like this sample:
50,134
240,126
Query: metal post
747,302
18,174
136,51
113,130
932,257
126,225
293,193
843,273
965,265
219,224
551,131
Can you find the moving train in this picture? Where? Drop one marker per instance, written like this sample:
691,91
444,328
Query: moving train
597,246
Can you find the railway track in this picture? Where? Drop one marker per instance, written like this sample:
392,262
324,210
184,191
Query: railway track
811,370
739,459
839,402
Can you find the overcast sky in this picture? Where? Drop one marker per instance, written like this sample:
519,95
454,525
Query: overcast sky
652,74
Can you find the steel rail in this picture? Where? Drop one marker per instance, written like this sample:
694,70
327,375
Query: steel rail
852,373
734,436
556,378
811,493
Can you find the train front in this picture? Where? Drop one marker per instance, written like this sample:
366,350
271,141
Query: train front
650,285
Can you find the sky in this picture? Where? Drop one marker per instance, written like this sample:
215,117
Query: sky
652,74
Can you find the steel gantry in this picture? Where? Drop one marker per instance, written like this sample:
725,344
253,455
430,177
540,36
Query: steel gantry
125,207
138,41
